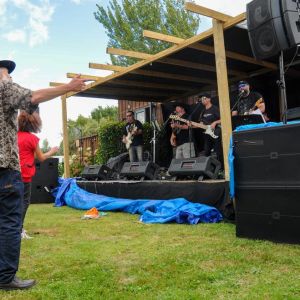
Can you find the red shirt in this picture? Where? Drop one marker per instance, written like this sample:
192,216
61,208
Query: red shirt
27,143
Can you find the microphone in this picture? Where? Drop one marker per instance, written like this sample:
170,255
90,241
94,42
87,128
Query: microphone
241,92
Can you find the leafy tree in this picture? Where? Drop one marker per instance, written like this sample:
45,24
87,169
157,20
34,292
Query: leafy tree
125,20
104,114
45,146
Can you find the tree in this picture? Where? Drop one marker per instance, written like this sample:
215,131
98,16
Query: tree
109,113
45,146
124,24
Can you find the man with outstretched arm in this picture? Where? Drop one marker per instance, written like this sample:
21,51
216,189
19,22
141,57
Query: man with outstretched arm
12,98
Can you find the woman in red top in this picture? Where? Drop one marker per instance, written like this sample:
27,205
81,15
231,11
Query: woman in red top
29,150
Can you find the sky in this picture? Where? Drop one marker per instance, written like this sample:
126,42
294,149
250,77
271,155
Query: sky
48,38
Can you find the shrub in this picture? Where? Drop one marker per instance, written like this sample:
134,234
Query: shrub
110,144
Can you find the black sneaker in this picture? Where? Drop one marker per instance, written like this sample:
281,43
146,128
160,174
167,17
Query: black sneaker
17,284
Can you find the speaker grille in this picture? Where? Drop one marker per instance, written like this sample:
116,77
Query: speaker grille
258,12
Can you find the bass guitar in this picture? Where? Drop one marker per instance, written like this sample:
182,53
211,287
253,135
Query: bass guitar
207,128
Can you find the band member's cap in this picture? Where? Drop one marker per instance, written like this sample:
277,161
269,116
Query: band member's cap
180,105
8,64
242,83
206,95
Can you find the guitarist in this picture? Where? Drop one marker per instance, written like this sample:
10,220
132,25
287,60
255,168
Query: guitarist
249,100
181,137
211,116
133,130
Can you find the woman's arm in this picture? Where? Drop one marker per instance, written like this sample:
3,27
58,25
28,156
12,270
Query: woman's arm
43,156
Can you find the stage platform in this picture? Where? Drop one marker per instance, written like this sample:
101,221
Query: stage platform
210,192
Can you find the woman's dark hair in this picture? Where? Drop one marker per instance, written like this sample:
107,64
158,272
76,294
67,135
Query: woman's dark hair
29,122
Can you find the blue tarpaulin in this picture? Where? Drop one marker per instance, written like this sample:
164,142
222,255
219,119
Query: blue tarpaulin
177,210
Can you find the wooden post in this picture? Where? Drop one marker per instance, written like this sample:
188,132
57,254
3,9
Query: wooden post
223,90
65,137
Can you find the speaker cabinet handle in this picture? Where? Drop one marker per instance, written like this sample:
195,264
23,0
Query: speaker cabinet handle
276,215
274,155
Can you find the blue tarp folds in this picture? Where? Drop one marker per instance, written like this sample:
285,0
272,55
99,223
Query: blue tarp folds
152,211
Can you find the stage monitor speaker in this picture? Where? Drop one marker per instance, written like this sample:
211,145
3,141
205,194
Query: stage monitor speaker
198,166
96,172
44,180
143,169
266,27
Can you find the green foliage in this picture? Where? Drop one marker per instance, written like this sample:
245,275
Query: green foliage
75,166
117,257
110,136
45,146
109,113
124,22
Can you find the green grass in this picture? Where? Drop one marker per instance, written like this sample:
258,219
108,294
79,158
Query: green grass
116,257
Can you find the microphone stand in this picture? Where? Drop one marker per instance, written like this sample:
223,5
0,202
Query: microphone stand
237,101
190,127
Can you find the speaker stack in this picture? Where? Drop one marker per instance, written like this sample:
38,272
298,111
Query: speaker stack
45,179
273,25
267,176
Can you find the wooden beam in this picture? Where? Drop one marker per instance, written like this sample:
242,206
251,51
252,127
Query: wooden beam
128,53
204,11
65,137
89,77
162,37
223,91
149,85
236,56
106,67
197,66
128,92
209,49
56,84
195,39
172,76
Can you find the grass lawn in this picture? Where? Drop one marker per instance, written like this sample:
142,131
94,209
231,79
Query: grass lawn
116,257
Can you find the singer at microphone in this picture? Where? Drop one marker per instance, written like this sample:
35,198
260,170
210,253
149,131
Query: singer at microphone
247,100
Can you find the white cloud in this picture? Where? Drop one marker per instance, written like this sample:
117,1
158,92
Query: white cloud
76,1
17,35
35,30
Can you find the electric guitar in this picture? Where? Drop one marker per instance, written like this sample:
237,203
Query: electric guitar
207,128
129,137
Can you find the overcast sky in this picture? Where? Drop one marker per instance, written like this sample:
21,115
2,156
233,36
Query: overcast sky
47,39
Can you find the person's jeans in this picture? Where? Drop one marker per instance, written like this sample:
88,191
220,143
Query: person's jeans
11,202
186,150
26,200
136,153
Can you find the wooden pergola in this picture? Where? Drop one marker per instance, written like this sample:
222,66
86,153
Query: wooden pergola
208,61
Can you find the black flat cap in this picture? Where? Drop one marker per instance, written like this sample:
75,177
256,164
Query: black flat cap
206,95
8,64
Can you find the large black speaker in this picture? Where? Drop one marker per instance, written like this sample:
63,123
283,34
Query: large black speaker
45,179
143,169
198,166
96,172
266,28
267,178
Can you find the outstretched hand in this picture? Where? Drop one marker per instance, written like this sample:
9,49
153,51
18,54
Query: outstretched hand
77,84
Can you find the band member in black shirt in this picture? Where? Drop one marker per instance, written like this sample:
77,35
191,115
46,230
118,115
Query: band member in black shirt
211,116
181,137
250,102
133,137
